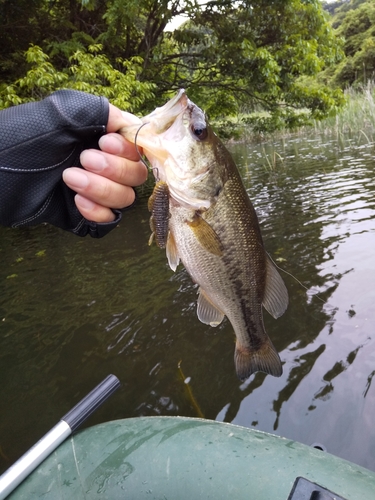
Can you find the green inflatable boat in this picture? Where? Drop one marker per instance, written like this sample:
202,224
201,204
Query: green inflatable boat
176,458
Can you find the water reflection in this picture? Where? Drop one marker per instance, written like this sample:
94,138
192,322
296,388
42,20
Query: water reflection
330,366
73,310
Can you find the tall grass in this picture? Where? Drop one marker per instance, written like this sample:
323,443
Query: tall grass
352,126
356,118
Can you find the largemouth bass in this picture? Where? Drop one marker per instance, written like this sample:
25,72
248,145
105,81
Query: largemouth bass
211,226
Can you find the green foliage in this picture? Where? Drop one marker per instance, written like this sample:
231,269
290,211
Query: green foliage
256,52
229,129
230,56
283,119
320,100
355,23
89,71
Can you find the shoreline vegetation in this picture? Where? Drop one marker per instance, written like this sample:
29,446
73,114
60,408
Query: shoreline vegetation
357,117
260,70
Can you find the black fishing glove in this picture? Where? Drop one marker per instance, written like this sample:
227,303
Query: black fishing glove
37,142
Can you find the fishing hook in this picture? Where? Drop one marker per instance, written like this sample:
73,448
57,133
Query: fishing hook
141,156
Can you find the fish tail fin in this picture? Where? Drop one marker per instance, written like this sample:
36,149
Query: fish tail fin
265,359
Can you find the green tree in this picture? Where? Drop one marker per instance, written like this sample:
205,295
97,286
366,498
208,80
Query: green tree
355,24
229,55
48,24
89,71
260,53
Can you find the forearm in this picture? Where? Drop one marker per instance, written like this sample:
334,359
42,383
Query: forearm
38,141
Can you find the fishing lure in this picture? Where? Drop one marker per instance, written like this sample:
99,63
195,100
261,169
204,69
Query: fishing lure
158,205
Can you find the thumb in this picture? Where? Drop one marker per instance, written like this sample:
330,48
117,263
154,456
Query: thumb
118,119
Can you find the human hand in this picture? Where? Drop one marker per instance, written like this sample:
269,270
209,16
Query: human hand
109,174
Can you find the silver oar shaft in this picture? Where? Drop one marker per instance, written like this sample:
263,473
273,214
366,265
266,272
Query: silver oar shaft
32,458
48,443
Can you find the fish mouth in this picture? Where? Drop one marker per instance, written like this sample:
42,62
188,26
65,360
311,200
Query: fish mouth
162,118
149,134
159,136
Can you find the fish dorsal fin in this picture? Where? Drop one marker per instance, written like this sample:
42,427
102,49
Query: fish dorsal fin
172,253
206,236
207,312
275,299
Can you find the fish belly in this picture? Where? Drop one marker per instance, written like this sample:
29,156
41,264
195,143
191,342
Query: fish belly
230,272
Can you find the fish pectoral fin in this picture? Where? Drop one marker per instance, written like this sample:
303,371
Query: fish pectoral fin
172,253
205,235
207,312
275,299
264,359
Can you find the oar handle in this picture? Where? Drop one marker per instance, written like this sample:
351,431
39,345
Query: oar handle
50,441
82,410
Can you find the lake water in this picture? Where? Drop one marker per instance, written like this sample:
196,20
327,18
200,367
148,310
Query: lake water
74,310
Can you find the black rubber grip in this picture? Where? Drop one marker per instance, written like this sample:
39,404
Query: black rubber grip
77,415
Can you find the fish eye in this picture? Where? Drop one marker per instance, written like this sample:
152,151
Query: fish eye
199,131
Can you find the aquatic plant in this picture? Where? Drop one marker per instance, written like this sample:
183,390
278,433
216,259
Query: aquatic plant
357,117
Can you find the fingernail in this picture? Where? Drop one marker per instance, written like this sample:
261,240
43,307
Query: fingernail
112,143
75,178
84,202
93,160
